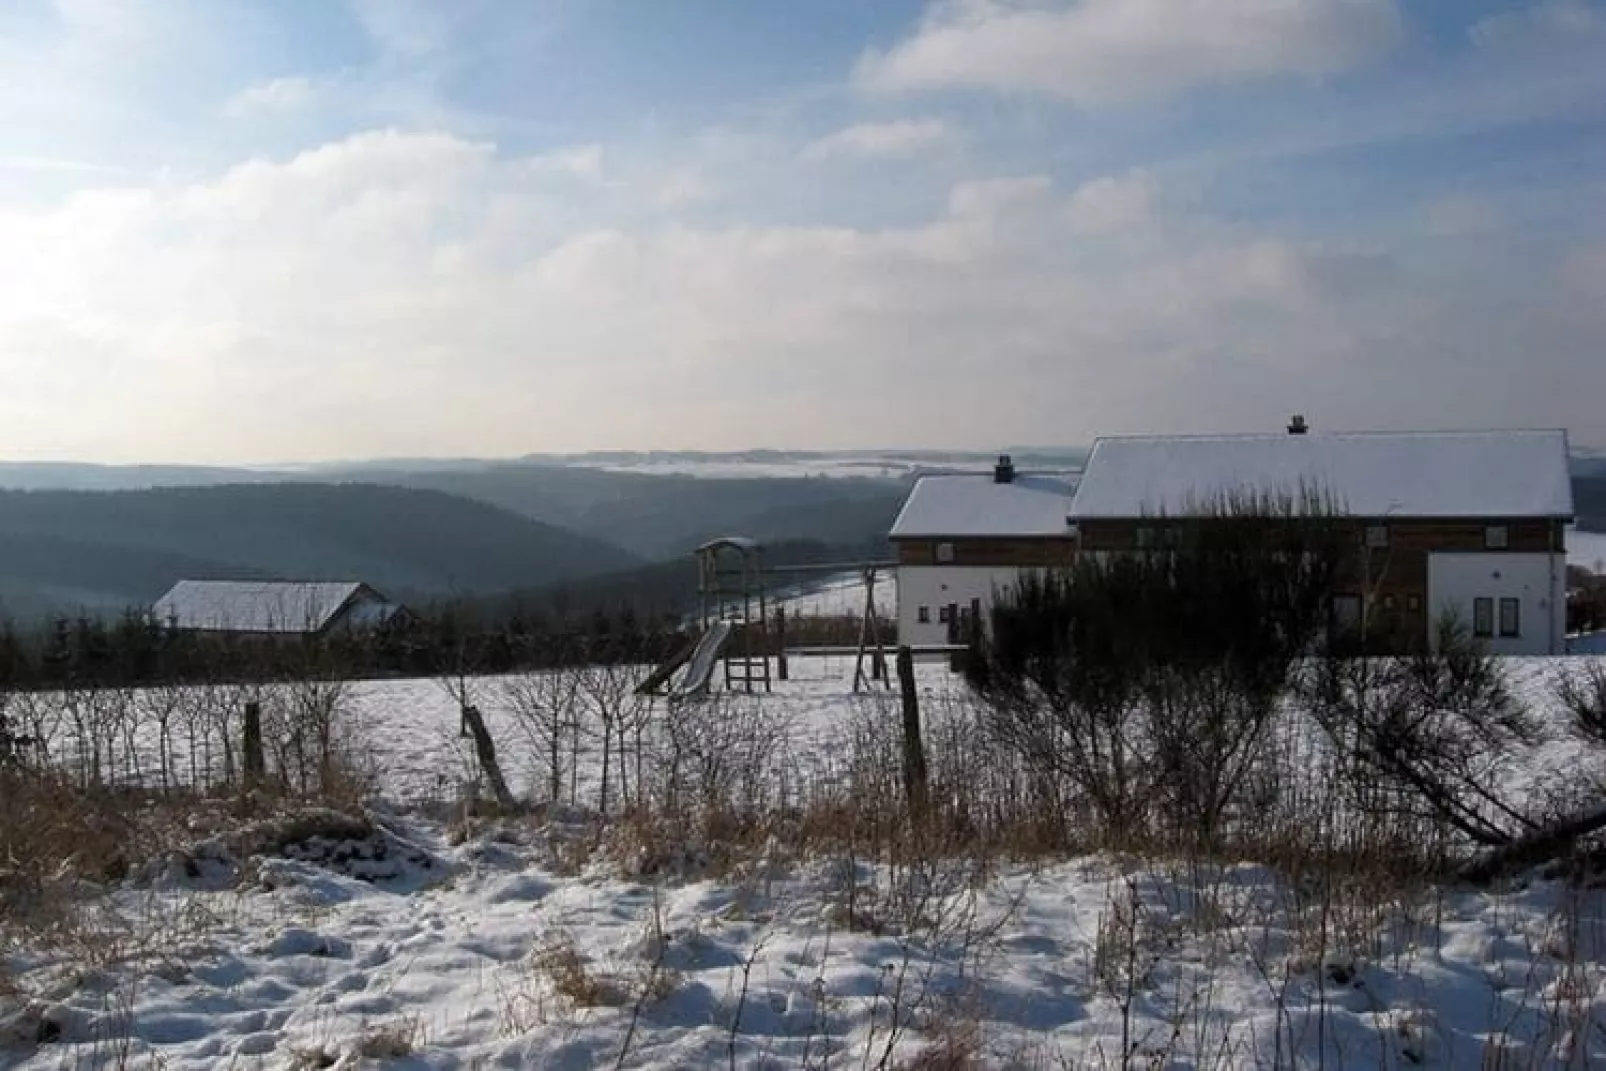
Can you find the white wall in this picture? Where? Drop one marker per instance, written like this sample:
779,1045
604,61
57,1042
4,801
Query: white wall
1538,580
935,586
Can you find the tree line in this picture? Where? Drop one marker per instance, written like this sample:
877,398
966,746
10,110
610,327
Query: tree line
137,650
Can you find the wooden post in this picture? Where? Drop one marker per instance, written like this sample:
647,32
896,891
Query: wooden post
953,636
254,767
781,669
914,750
485,750
973,634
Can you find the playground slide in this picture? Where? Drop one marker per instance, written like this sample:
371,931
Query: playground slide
701,666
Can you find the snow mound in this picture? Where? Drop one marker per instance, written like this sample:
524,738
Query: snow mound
275,851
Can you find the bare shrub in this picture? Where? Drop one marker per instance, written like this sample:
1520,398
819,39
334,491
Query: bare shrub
720,758
1149,682
545,705
1426,734
608,691
1582,693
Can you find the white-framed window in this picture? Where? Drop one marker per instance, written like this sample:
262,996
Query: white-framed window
1496,537
945,553
923,615
1483,618
1510,617
1377,536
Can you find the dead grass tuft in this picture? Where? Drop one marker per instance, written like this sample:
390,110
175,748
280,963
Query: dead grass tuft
571,978
395,1040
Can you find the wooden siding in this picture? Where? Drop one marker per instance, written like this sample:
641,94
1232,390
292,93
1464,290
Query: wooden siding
1524,536
1025,552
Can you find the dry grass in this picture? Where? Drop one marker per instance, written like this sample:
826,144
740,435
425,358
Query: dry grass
572,978
394,1040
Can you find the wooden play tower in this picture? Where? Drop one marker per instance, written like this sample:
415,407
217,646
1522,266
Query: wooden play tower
730,588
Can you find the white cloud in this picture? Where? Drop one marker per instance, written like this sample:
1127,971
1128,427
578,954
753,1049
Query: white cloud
418,293
1094,51
900,137
581,160
986,197
1539,22
276,95
1113,203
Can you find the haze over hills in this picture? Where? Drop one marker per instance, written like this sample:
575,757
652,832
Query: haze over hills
610,525
64,550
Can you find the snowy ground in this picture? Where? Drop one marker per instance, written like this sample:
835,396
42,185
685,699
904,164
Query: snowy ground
515,948
489,956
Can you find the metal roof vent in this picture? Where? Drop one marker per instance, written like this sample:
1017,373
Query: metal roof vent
1297,425
1004,471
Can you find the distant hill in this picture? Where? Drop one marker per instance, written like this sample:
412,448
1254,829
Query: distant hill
666,516
101,550
1589,501
656,515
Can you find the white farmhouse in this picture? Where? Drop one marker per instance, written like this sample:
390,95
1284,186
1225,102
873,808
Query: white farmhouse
1467,523
959,538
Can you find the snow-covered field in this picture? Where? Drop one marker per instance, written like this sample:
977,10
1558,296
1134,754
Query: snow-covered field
843,595
518,946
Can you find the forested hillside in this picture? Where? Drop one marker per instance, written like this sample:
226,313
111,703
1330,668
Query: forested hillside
659,516
104,550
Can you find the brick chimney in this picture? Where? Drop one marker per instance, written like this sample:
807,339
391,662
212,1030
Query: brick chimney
1004,471
1297,425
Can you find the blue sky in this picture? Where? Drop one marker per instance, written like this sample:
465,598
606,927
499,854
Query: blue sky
296,229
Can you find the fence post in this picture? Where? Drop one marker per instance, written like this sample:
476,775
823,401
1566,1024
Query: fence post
252,762
954,662
485,751
781,668
914,750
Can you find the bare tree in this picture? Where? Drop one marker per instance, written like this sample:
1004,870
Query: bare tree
608,692
1431,728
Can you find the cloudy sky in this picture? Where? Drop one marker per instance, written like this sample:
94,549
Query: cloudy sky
237,231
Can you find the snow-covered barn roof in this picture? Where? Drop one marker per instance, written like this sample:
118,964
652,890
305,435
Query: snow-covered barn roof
1365,474
290,607
977,505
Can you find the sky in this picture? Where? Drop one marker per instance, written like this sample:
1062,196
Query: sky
238,231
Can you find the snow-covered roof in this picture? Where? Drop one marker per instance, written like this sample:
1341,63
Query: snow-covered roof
1365,474
254,606
977,505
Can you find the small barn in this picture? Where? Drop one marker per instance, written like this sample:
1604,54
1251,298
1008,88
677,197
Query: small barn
275,607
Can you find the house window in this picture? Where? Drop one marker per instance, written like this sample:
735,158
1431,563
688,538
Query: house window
1144,537
1483,617
1511,617
945,553
1388,602
1377,536
1346,613
1413,603
923,615
1496,537
942,615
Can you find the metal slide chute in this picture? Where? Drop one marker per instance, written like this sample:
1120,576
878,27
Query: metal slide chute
700,667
